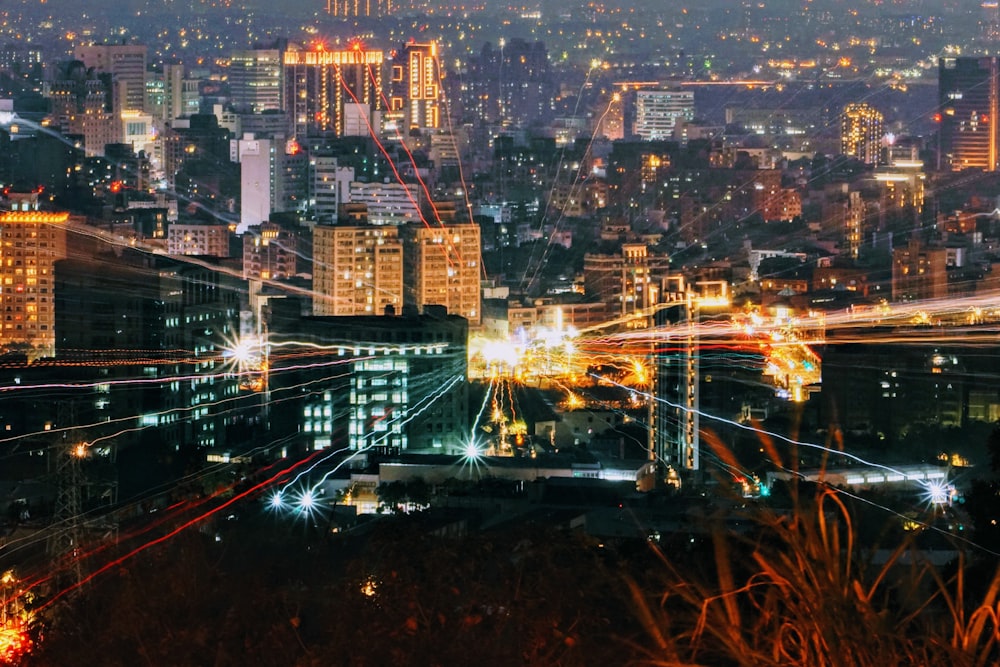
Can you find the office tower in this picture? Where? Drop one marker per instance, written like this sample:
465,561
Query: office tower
357,270
170,96
127,65
400,380
115,304
350,9
255,80
415,82
861,132
657,112
967,98
319,83
509,84
31,241
441,267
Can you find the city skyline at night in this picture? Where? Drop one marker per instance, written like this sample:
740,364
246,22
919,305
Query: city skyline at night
414,333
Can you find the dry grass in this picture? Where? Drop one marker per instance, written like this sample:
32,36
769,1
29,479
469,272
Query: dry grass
800,591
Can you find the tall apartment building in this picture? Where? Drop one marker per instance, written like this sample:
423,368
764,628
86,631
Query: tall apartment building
31,241
442,267
127,65
630,281
255,80
319,83
416,97
357,270
657,112
968,91
861,132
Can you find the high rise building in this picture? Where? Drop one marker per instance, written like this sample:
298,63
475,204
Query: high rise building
127,65
968,90
170,96
31,241
441,267
861,132
657,112
628,281
401,380
81,105
319,83
357,270
114,304
415,81
255,80
509,84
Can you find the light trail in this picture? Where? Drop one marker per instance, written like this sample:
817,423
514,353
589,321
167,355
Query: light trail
173,533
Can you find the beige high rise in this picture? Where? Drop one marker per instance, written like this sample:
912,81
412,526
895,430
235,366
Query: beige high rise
357,270
30,243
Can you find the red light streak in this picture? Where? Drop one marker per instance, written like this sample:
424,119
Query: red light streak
176,531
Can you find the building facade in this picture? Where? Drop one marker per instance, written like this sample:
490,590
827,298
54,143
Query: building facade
658,111
255,80
415,82
861,130
127,65
968,108
357,270
195,239
399,386
31,241
320,84
442,267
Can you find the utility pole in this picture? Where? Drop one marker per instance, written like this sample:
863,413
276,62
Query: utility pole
67,455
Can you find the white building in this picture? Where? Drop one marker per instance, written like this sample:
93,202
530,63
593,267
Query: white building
256,158
273,178
657,112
